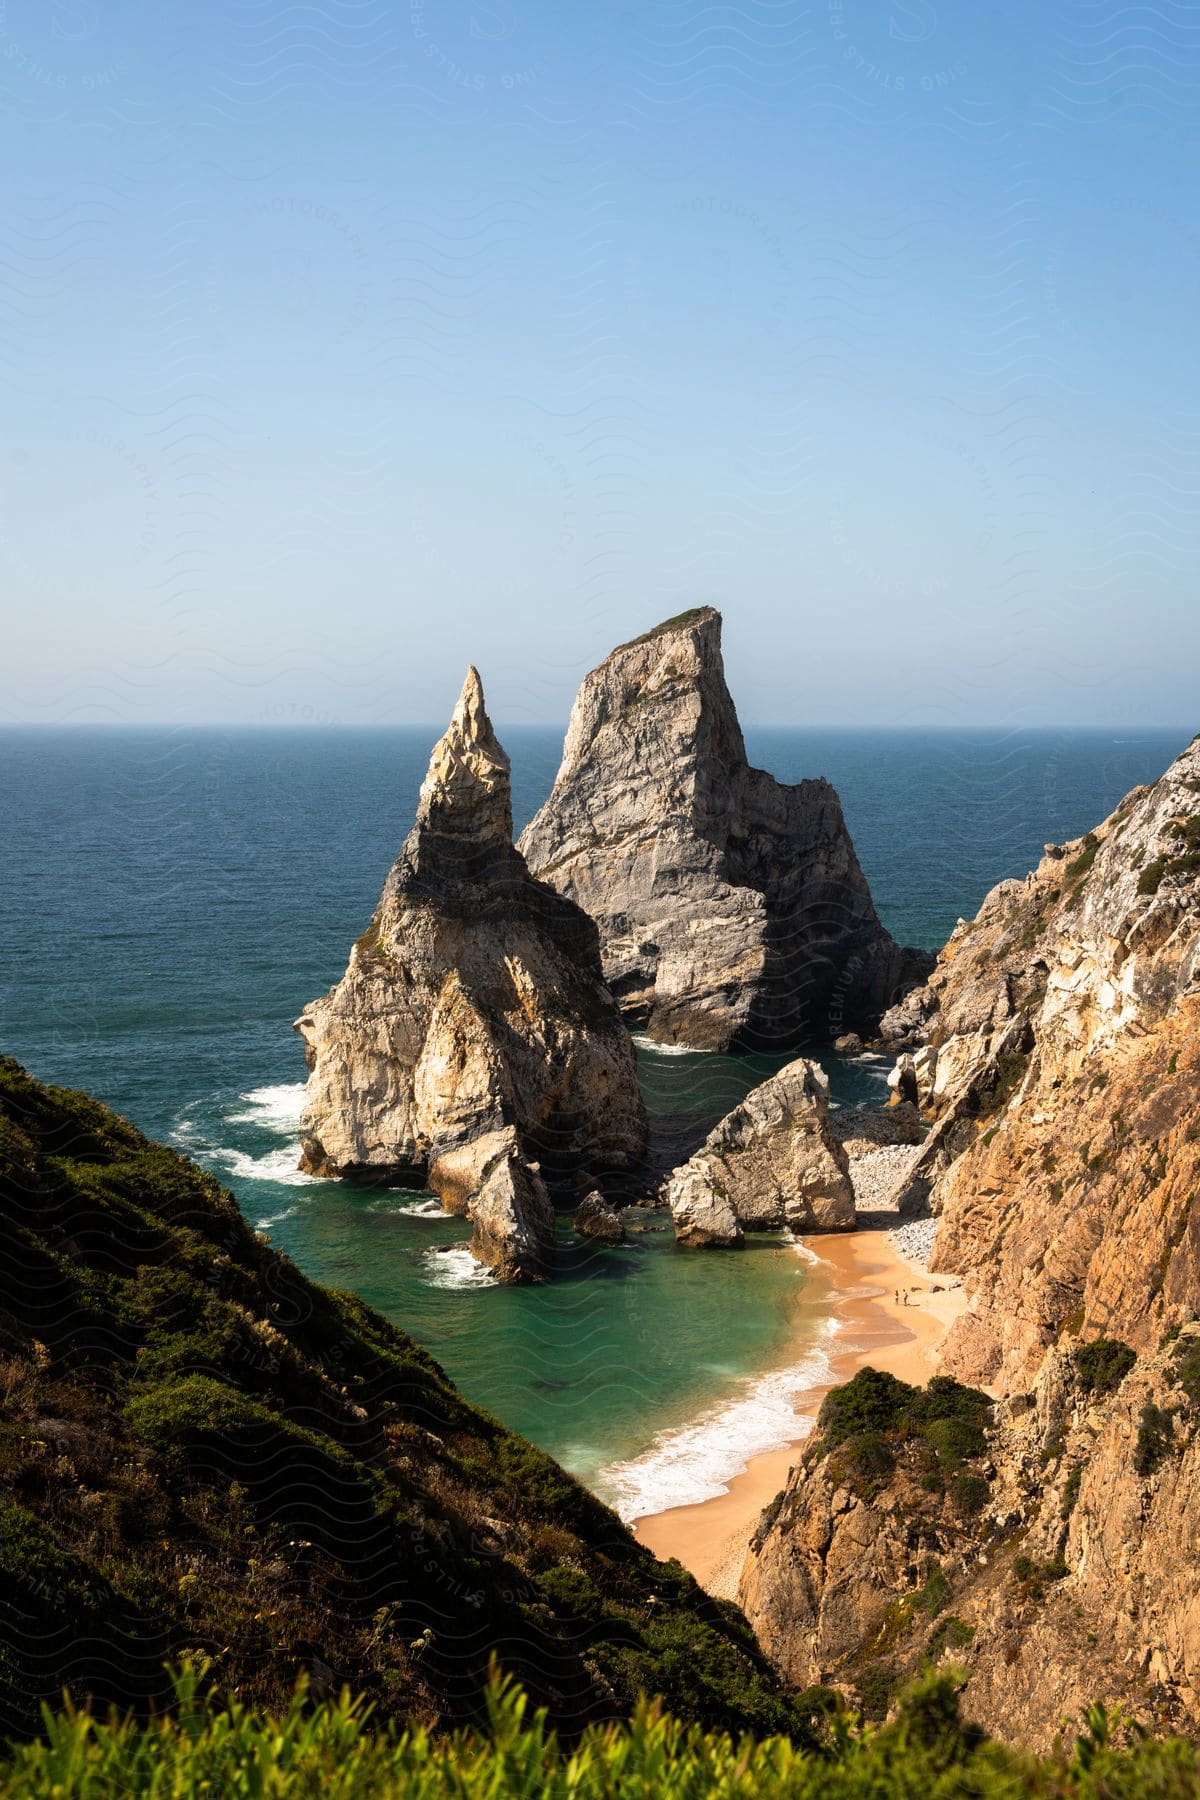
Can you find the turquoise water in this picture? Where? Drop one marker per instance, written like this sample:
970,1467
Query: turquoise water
171,899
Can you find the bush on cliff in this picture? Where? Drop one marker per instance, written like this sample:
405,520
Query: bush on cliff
865,1422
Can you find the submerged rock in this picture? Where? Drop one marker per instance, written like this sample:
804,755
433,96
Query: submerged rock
595,1218
730,907
472,1029
772,1161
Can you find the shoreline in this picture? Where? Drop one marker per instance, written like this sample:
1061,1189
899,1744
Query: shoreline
865,1270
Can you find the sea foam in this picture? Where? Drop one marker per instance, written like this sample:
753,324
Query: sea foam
280,1166
274,1108
456,1269
692,1463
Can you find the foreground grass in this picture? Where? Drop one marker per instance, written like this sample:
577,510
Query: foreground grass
208,1746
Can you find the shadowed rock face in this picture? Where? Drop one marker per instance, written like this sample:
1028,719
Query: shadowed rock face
731,908
471,1038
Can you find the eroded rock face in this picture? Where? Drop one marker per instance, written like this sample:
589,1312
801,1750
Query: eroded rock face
1064,1088
772,1161
730,907
472,1031
1075,1582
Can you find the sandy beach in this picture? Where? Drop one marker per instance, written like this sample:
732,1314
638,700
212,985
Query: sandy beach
867,1270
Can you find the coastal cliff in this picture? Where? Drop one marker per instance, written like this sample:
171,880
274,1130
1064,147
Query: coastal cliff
731,908
1062,1083
1051,1548
471,1045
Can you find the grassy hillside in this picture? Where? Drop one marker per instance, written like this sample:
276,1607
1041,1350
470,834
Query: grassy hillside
201,1450
331,1751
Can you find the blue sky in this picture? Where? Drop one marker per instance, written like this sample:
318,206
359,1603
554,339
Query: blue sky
343,342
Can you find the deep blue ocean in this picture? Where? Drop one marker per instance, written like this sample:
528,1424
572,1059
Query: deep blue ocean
170,899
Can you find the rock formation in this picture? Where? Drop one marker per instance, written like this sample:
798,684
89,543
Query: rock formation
731,908
1057,1561
1063,1020
471,1043
772,1161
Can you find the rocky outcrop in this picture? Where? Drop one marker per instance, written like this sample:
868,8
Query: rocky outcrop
595,1218
773,1161
1055,1562
731,908
471,1044
1057,1048
1057,1057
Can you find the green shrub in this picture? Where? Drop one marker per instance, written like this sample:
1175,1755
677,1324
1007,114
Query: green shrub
1155,1434
873,1401
335,1750
1187,1371
1079,865
950,1633
969,1494
876,1685
955,1440
1071,1492
1102,1364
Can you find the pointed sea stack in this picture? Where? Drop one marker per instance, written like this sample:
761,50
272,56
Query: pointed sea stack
471,1045
731,908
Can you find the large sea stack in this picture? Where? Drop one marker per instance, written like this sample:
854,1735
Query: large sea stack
731,908
471,1045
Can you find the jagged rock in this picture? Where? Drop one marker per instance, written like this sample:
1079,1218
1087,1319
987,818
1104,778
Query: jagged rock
772,1161
730,907
863,1128
1079,1570
1058,1031
849,1044
472,1028
595,1218
512,1215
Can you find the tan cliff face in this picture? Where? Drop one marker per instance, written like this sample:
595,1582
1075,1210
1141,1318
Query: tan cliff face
730,907
1075,1580
471,1043
1064,1093
1058,1056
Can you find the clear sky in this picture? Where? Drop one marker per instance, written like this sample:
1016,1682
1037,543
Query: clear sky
344,340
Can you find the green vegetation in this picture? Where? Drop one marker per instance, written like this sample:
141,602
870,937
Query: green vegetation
1102,1364
1012,1064
1156,1432
337,1751
865,1424
1079,865
1071,1492
201,1449
1187,1367
692,616
1033,1576
1185,860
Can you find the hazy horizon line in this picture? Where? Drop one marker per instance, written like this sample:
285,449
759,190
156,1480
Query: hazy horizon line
314,725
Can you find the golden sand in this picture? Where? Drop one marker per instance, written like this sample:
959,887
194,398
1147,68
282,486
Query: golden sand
867,1270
